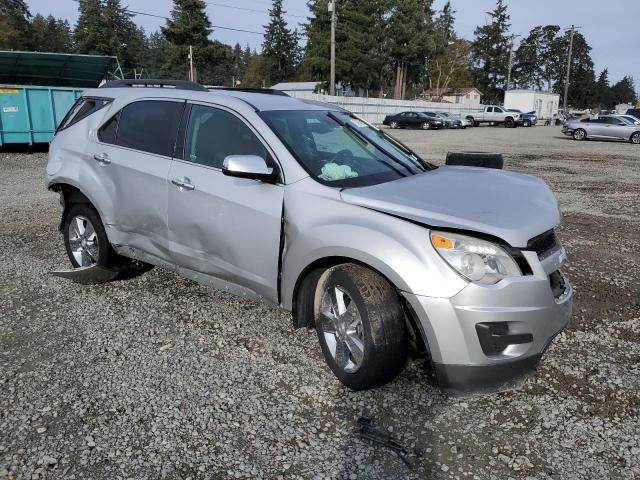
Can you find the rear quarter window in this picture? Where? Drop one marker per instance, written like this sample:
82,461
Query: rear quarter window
83,107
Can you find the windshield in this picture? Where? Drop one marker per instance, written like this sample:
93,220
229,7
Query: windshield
340,150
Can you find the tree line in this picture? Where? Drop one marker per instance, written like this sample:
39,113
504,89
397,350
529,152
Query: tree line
393,48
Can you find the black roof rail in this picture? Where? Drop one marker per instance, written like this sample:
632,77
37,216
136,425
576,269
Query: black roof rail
152,82
266,91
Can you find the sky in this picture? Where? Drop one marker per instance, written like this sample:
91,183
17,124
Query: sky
611,28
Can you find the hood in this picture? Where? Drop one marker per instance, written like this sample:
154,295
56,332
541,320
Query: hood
510,206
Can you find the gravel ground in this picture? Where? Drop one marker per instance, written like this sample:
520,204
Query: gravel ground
158,377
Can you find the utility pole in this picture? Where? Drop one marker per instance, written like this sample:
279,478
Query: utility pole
512,37
332,84
566,83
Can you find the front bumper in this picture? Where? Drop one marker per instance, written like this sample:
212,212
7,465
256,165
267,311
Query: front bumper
485,336
533,121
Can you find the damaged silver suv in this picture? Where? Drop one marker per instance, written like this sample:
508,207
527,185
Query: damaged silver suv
307,207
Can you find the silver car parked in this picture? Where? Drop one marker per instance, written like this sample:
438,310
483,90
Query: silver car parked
307,207
608,127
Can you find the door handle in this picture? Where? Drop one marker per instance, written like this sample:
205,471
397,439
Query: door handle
183,183
102,158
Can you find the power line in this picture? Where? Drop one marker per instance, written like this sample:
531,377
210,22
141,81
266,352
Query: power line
251,9
146,14
214,26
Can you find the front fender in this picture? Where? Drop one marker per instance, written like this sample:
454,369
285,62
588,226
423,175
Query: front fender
325,227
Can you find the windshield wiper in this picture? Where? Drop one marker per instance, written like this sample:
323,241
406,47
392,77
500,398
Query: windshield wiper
405,149
368,141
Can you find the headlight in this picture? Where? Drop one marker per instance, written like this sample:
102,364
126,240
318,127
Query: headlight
477,260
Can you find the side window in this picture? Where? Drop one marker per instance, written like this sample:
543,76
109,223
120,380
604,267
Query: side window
108,131
498,110
214,134
150,126
489,109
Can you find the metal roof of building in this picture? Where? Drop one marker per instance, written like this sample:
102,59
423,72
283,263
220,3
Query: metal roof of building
54,69
296,86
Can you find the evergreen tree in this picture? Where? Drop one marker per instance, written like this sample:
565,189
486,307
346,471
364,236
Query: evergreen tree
409,43
14,25
315,62
50,35
107,29
538,59
582,91
603,97
491,54
360,43
256,72
90,36
624,92
125,39
155,54
188,26
445,23
280,48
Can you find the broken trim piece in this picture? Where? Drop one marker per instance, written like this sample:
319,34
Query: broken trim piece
90,275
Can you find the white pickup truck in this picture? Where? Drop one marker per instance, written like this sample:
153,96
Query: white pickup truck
494,115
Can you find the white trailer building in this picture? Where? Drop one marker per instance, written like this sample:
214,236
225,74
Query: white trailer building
545,104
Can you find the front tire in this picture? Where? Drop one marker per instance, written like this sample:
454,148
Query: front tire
579,134
85,239
526,123
635,138
425,126
509,123
394,124
360,325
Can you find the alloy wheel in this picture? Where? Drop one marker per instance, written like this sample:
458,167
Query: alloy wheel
83,241
635,138
342,328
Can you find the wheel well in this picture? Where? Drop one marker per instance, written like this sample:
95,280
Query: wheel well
70,195
304,290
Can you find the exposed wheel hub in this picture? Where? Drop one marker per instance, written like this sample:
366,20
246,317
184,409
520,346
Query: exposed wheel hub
342,328
83,241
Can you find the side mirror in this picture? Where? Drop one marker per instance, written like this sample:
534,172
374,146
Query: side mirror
248,166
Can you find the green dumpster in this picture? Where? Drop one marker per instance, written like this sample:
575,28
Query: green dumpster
38,89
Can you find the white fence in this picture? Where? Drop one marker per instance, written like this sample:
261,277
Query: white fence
373,110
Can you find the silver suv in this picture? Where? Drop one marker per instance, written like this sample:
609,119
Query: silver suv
307,207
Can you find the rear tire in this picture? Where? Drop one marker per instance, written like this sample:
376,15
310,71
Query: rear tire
579,134
635,138
360,325
85,239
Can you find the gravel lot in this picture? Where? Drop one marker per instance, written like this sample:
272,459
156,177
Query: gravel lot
158,377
